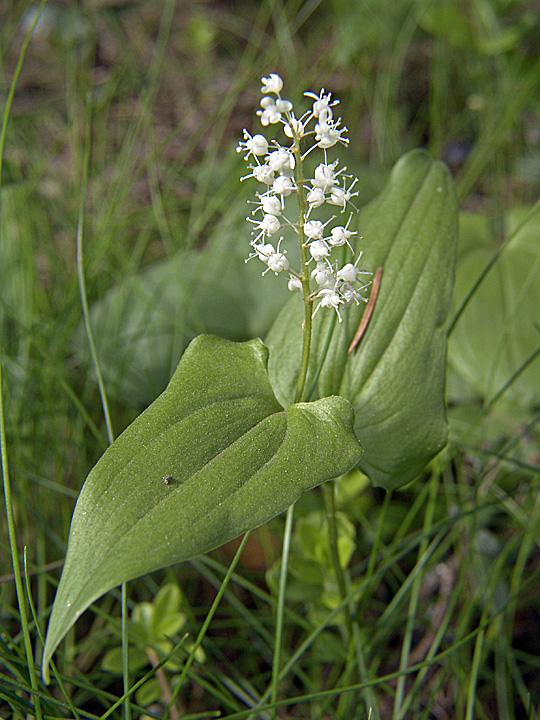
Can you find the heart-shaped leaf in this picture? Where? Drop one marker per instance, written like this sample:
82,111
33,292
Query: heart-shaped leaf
212,457
395,378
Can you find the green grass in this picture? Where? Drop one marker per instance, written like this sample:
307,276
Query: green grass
443,577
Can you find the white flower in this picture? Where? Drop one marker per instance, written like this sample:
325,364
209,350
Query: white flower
272,84
324,275
269,225
294,128
262,251
328,133
263,173
270,256
269,113
329,298
256,145
295,284
281,160
349,273
341,196
314,229
283,186
315,197
319,250
350,294
277,262
340,235
322,104
270,205
325,177
272,110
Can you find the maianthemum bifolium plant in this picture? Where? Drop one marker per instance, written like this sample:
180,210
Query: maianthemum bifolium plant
243,429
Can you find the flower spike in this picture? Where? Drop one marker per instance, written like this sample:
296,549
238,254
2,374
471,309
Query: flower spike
278,166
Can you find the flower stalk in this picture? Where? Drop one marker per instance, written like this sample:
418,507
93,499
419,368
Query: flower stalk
306,285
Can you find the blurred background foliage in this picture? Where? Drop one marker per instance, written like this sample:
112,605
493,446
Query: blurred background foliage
171,85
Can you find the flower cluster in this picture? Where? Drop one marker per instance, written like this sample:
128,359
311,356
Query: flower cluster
279,170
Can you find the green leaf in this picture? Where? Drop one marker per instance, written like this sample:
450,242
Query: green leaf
149,692
312,535
233,458
498,332
167,618
395,378
113,660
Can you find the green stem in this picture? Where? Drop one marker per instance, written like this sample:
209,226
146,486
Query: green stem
12,535
95,359
125,651
414,598
345,701
281,607
4,466
375,548
206,624
80,271
306,349
330,507
304,277
35,617
322,358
